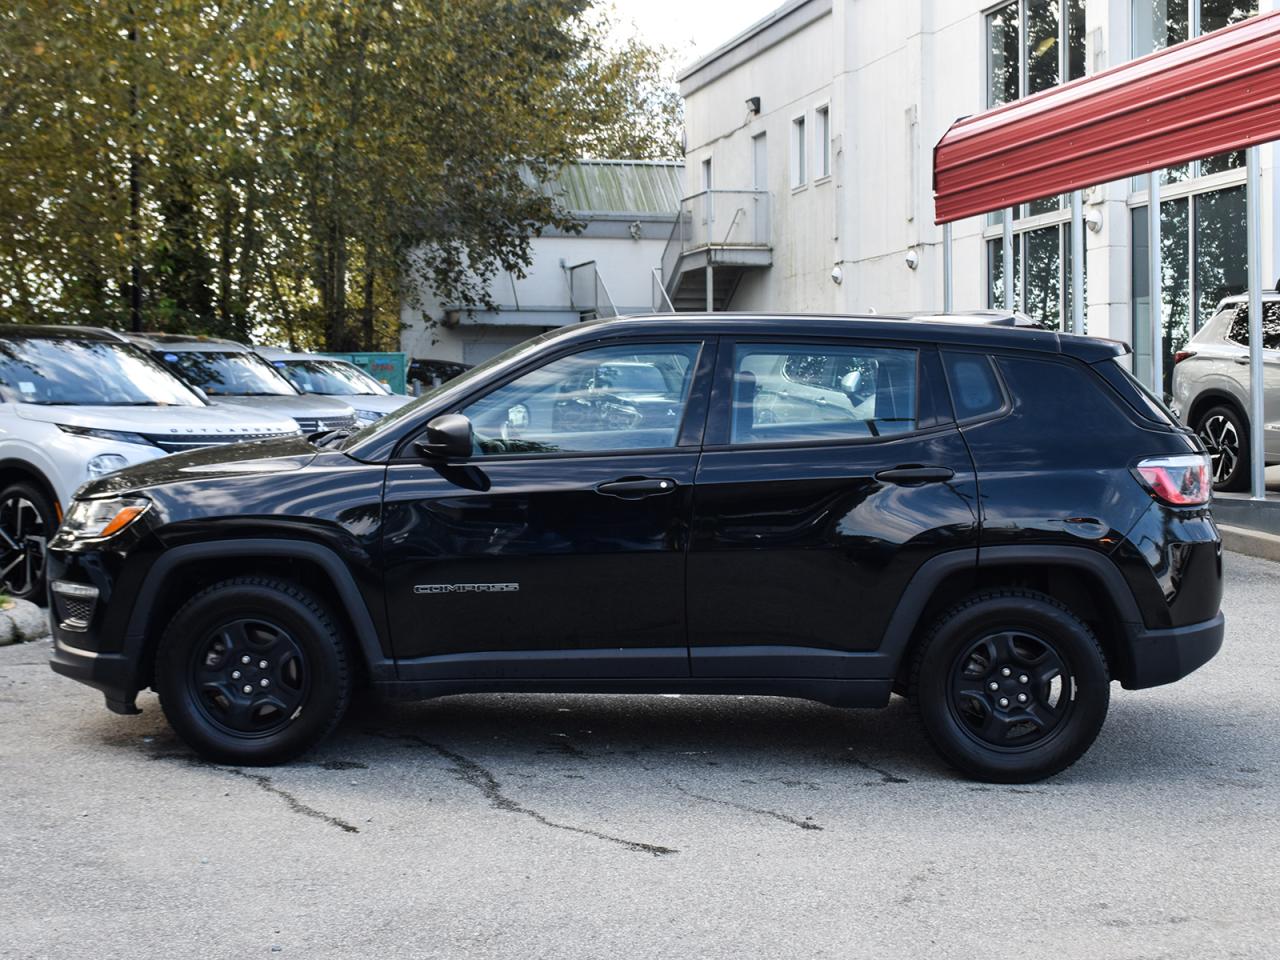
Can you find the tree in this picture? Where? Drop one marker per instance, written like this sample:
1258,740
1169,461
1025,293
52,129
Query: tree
277,168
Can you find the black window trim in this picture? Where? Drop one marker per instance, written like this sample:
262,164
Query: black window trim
719,419
688,436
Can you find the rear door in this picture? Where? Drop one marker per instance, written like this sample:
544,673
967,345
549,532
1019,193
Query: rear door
832,471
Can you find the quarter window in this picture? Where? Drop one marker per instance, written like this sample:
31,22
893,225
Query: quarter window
797,392
607,399
975,391
1270,325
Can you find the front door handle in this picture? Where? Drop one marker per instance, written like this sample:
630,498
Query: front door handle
637,488
913,475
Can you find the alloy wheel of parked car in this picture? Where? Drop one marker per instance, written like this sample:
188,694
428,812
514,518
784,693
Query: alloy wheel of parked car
1225,437
27,521
253,670
1011,686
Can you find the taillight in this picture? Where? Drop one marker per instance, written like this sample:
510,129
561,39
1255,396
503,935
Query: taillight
1181,481
1182,355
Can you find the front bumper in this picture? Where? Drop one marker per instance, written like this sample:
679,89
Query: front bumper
112,673
1163,656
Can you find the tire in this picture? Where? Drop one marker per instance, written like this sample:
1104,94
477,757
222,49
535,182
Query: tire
1225,434
1031,647
27,523
216,647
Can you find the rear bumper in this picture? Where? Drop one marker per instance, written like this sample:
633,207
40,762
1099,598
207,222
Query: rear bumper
1163,656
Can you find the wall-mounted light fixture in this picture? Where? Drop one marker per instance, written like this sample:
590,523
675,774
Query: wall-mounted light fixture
1093,219
913,259
753,104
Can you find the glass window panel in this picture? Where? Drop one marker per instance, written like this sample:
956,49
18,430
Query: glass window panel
1175,293
1076,64
1221,256
995,272
1002,55
1042,45
1270,325
1066,279
803,392
1233,160
1043,300
610,398
1216,14
1158,24
1045,205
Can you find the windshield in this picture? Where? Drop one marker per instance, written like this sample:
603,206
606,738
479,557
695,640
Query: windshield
229,374
333,377
84,372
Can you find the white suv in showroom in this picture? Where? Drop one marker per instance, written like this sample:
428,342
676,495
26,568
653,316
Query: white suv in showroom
77,403
1211,387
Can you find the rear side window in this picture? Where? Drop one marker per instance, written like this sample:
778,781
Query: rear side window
1135,392
1270,325
798,392
975,388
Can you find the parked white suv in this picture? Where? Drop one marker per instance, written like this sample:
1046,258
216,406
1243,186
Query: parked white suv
1211,387
231,374
77,403
331,377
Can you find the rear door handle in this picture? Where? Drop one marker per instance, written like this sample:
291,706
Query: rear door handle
637,488
911,476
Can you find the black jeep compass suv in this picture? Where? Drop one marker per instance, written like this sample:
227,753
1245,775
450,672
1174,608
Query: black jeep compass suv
995,522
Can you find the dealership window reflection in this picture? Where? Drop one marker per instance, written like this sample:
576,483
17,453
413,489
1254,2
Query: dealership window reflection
1041,274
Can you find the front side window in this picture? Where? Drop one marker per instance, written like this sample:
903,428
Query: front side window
229,374
809,392
85,372
612,398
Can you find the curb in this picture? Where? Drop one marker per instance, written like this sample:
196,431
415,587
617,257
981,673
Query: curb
1254,543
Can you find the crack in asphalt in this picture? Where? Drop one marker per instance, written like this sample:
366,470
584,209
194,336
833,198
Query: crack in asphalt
474,774
885,775
265,783
784,817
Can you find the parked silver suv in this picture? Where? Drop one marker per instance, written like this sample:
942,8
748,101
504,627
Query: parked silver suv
1211,387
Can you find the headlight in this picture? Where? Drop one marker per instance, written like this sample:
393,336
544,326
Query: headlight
105,463
119,436
98,519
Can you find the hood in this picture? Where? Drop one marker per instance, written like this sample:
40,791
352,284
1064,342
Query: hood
375,402
174,421
228,460
308,406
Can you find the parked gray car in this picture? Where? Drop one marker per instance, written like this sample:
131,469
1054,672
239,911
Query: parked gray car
1211,387
231,374
314,373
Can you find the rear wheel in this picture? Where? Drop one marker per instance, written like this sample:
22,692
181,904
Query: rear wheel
1011,686
1225,435
27,522
253,671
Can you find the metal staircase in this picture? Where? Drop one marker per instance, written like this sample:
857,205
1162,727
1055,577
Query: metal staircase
718,236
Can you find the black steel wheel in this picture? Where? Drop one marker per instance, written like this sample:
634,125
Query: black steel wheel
253,670
1011,686
27,523
1225,435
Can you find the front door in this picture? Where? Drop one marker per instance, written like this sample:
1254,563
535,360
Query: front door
558,548
832,471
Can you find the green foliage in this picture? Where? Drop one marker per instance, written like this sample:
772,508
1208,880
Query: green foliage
277,169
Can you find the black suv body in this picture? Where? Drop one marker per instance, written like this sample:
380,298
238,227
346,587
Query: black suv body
995,521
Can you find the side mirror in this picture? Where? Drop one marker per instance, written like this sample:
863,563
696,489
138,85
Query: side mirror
448,437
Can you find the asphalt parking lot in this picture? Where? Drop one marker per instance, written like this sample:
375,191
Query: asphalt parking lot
575,826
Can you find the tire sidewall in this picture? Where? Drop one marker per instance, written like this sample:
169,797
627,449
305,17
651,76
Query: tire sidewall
1076,731
288,608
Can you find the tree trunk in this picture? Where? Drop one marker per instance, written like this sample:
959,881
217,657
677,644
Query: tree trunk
366,313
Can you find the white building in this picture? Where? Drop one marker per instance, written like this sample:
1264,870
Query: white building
627,209
818,124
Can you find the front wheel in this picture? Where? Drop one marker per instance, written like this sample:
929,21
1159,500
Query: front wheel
1011,686
27,523
253,670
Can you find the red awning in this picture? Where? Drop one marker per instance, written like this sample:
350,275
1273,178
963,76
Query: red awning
1215,93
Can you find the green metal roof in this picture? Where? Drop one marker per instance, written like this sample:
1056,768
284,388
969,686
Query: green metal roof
638,187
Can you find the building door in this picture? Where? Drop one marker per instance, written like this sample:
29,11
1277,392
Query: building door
760,183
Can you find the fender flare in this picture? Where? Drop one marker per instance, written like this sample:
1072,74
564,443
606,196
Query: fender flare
380,666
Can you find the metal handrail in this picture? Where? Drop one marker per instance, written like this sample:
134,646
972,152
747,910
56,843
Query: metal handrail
659,299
